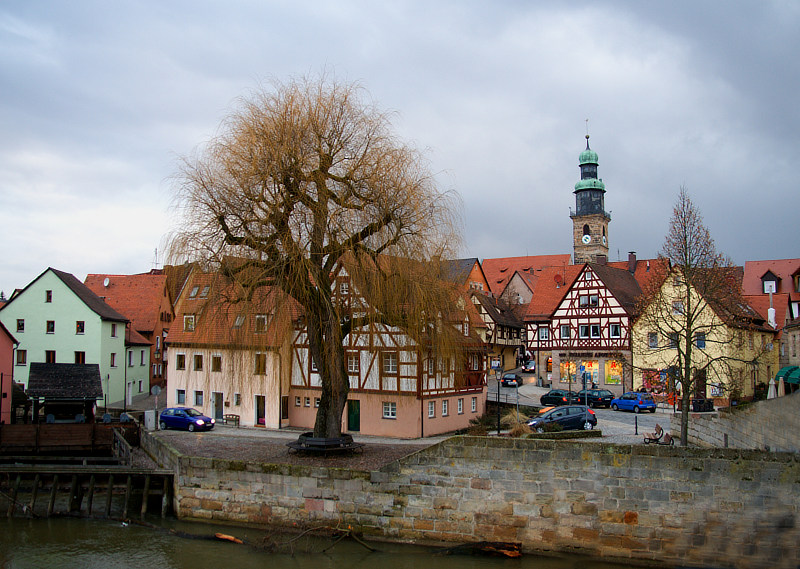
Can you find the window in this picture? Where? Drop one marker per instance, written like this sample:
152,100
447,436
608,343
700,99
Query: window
180,397
583,301
204,292
672,339
316,402
544,333
261,364
261,323
565,331
180,361
594,300
431,366
615,330
22,357
113,330
307,402
237,399
466,328
297,401
158,343
51,327
198,398
445,407
130,359
583,331
344,288
390,363
140,386
431,409
193,292
50,356
239,321
460,406
198,362
20,324
113,361
313,364
652,340
353,363
474,404
216,363
188,322
80,326
141,358
677,307
389,410
700,339
595,330
48,296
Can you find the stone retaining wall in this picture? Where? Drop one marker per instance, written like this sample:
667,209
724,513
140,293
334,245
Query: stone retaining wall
667,505
773,424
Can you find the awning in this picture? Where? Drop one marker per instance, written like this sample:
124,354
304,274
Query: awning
784,372
794,376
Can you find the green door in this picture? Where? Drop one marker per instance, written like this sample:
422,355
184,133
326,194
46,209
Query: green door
353,415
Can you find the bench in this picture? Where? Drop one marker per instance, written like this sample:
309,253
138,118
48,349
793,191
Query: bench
230,419
307,442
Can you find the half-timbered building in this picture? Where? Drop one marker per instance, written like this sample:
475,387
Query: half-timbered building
580,325
253,360
399,387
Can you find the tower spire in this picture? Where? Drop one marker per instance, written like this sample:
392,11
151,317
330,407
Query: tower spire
589,220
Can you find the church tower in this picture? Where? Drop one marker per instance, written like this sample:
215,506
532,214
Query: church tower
590,219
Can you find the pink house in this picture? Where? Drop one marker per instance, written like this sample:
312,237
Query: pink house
7,345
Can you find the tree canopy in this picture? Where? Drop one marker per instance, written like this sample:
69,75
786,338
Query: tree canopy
303,180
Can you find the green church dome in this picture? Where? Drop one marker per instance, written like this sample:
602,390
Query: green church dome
590,184
588,156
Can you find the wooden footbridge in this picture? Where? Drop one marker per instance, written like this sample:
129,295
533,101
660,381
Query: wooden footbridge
77,470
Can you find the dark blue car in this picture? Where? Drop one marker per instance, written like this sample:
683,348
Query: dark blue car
184,418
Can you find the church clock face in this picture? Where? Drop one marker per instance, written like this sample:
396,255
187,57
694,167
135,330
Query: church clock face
586,239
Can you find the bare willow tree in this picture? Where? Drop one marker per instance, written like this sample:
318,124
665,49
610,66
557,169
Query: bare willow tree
305,179
691,311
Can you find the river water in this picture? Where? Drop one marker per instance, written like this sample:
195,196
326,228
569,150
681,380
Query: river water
94,544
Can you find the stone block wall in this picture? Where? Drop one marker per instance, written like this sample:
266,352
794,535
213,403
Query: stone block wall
773,424
665,505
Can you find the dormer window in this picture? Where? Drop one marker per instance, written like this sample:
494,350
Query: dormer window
261,323
769,282
188,322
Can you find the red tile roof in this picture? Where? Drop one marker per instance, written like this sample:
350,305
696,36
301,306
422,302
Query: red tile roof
138,297
222,321
760,303
499,271
784,269
552,285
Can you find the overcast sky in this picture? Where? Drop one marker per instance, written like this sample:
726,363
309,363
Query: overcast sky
98,100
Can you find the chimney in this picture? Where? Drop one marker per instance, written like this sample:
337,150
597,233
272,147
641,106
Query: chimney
601,259
632,262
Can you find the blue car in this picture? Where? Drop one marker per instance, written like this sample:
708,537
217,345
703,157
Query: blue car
634,401
184,418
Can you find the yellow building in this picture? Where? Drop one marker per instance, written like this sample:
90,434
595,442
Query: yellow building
729,345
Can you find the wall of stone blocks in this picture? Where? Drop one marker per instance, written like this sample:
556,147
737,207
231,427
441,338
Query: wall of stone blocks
666,505
773,424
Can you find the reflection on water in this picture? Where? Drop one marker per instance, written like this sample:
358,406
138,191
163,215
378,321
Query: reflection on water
92,544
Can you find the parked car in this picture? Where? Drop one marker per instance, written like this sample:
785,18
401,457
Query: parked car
634,401
570,417
595,397
556,397
184,418
529,366
511,380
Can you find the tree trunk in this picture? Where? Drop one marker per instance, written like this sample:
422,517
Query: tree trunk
327,349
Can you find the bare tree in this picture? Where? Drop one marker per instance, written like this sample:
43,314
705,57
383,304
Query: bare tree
693,312
305,180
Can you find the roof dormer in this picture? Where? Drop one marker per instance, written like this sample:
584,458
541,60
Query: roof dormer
770,282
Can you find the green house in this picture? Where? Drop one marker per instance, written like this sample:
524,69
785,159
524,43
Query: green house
57,319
